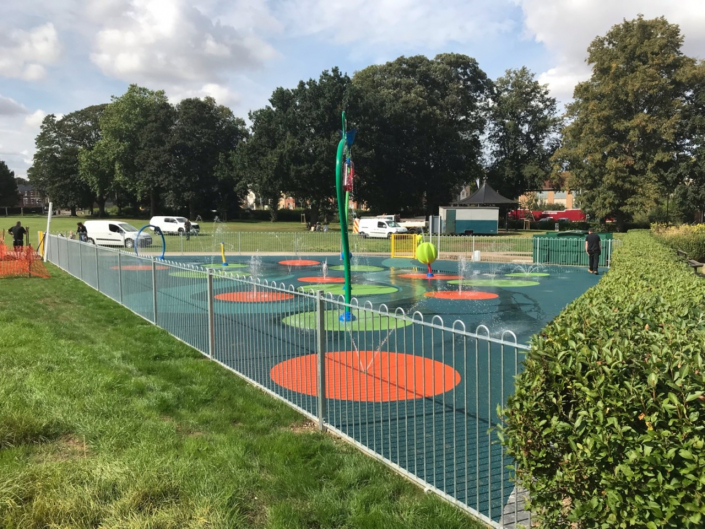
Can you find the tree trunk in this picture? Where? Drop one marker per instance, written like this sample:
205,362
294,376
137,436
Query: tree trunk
73,211
101,206
621,222
272,213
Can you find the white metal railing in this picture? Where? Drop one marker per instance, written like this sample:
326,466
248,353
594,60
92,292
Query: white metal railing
418,395
500,249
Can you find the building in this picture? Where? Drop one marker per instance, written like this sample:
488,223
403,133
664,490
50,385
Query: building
551,197
29,197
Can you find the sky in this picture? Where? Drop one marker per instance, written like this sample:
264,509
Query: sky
57,56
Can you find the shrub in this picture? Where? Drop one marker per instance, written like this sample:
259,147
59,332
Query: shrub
607,424
690,239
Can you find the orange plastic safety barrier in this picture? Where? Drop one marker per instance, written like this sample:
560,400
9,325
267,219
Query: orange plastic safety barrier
21,262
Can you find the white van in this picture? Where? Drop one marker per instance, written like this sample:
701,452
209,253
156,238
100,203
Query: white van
378,228
174,225
115,233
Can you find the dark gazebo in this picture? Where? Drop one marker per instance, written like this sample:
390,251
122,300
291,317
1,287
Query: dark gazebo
486,196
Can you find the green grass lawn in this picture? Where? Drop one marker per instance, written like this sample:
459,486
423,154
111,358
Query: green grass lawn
107,421
277,237
65,224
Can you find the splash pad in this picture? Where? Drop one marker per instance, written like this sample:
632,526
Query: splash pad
461,295
368,376
253,297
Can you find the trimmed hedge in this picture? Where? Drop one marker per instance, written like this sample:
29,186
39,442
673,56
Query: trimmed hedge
690,239
607,425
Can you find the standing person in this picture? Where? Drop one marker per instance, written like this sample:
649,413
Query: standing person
593,247
18,232
187,229
82,232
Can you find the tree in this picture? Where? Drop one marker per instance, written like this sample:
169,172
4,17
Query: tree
136,130
260,160
203,137
420,122
9,195
627,141
293,143
55,169
97,170
522,133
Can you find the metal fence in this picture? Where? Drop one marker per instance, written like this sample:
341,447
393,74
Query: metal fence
498,249
418,395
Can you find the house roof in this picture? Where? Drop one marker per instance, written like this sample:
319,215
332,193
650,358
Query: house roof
484,196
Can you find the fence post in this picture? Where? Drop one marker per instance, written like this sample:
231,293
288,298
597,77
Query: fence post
239,245
321,350
97,271
80,259
120,276
154,289
181,242
211,316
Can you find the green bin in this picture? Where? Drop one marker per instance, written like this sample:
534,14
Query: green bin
565,248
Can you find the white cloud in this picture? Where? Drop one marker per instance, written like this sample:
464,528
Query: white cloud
34,120
170,42
397,24
10,107
221,93
24,54
567,27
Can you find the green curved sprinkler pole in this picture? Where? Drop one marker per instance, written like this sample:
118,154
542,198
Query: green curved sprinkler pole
343,149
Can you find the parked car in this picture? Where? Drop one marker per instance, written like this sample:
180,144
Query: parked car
115,233
378,228
174,225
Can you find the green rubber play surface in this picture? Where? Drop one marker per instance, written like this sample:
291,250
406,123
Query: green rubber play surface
358,268
364,321
361,289
493,283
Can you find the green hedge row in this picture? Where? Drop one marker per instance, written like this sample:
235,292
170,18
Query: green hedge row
607,425
689,239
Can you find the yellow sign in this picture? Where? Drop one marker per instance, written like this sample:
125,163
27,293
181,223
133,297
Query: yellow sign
40,243
404,245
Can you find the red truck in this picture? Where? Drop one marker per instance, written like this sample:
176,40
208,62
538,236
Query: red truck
518,214
570,215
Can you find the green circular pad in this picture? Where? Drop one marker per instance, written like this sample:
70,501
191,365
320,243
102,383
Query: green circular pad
357,289
364,321
494,283
528,274
214,266
220,265
359,268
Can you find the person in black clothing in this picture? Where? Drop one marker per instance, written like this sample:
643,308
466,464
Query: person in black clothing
187,229
82,232
18,232
593,247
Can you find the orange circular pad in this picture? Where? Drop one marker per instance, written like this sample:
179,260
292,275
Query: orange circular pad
139,267
299,262
441,277
322,279
253,297
454,294
368,376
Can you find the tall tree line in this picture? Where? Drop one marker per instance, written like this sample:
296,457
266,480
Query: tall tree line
141,150
426,127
